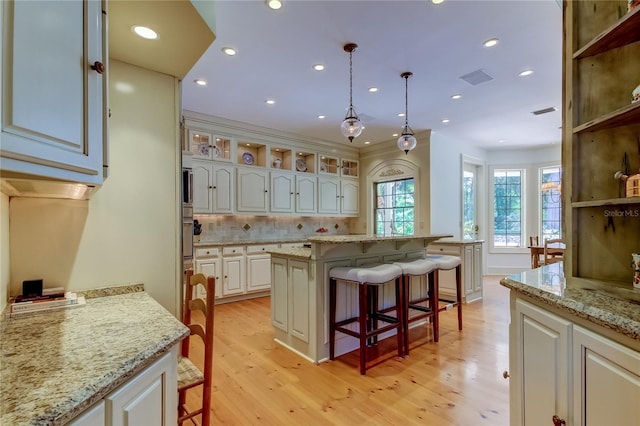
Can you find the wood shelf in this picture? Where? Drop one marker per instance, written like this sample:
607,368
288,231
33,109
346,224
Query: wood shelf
606,202
623,32
629,114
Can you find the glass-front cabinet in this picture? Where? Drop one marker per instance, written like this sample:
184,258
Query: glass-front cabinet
349,168
328,165
206,146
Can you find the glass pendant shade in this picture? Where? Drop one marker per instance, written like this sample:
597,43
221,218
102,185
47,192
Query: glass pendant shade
351,127
406,141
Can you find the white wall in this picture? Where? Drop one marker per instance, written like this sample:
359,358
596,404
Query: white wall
4,250
530,160
446,183
130,230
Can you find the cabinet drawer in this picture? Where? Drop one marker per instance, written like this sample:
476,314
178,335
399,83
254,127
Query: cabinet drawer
444,249
207,252
260,248
232,251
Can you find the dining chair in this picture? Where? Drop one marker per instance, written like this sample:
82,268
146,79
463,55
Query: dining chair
553,251
537,254
189,374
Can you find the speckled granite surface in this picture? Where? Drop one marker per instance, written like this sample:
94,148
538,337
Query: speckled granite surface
547,285
57,364
339,239
244,243
300,253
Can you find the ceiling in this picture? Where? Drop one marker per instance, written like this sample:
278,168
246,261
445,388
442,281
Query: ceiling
438,43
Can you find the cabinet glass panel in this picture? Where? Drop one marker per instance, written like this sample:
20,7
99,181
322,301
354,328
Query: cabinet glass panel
221,149
200,143
252,154
281,158
328,165
305,162
349,168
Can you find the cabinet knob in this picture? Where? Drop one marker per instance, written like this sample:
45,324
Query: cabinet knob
505,374
98,67
214,187
265,191
211,187
207,252
557,421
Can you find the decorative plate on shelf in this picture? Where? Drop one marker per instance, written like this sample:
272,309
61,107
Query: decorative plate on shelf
323,167
203,149
216,151
247,157
345,171
301,165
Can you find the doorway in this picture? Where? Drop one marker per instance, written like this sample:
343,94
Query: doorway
472,199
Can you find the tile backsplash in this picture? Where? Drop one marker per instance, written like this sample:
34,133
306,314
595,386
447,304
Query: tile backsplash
219,229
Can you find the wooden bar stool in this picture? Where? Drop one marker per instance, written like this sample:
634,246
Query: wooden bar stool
369,279
420,268
444,263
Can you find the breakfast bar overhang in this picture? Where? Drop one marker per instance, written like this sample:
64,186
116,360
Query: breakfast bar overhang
300,286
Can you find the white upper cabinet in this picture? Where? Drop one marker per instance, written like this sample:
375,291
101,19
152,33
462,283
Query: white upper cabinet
305,194
328,196
54,89
212,187
282,196
252,190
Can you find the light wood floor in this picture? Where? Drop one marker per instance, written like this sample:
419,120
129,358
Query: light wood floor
457,381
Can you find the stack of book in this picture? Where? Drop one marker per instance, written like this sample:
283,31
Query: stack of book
47,302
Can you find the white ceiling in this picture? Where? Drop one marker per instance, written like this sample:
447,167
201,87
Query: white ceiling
438,43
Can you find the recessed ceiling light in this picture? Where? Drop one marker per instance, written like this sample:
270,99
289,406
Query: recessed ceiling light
200,82
318,67
373,89
437,1
525,73
145,32
501,141
401,114
274,4
445,120
456,96
270,101
395,135
229,51
367,142
321,116
490,43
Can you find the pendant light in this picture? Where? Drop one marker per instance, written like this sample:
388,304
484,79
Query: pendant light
351,127
407,141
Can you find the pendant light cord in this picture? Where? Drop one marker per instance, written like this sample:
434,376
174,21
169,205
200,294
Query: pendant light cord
350,80
406,101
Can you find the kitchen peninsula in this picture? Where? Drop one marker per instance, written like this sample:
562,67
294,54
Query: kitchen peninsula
300,290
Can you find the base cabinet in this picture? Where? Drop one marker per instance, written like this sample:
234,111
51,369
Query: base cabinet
149,398
470,253
291,302
558,368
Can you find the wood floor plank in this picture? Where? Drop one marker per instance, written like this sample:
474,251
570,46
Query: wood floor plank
457,381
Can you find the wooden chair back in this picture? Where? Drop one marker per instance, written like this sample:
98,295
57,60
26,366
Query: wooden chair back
205,332
553,251
534,241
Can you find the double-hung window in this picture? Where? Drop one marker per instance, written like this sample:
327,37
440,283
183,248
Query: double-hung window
550,206
395,207
508,211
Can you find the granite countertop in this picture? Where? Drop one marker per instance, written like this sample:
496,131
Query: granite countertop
363,238
245,243
300,253
55,365
547,285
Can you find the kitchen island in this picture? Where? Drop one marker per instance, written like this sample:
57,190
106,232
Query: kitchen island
573,352
300,286
91,363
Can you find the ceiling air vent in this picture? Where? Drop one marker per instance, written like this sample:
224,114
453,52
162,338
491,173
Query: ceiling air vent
543,111
476,77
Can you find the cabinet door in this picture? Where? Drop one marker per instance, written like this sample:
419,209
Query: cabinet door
467,270
606,381
539,361
252,190
202,185
305,194
282,192
279,294
233,278
299,299
53,105
94,416
350,197
150,398
477,268
210,268
258,272
222,188
328,196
